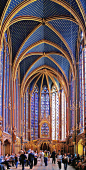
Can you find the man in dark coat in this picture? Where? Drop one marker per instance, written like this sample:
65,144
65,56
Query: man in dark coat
23,158
53,156
30,159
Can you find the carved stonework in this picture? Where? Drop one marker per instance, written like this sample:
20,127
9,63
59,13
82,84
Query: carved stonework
45,118
80,136
36,145
7,136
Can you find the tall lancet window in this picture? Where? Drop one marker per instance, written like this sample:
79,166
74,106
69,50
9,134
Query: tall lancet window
55,114
63,115
34,114
81,87
44,102
27,99
45,112
72,104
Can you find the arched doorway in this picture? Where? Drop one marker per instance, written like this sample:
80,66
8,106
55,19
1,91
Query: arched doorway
6,147
44,147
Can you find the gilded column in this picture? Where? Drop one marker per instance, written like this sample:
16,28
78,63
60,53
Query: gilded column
20,119
67,121
67,125
19,113
23,115
3,105
1,83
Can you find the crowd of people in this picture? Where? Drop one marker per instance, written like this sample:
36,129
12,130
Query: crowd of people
30,158
79,163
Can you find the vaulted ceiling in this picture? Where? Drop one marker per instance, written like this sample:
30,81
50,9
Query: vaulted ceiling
43,37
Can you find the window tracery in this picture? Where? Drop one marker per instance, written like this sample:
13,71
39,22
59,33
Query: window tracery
45,102
34,114
63,116
81,84
45,130
55,114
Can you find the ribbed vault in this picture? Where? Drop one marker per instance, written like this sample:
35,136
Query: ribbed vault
43,33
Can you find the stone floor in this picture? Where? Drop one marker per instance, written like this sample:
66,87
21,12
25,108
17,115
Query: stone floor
49,167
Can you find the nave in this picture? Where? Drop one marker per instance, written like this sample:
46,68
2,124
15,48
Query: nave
43,76
49,167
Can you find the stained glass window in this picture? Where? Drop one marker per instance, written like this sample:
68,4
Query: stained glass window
34,114
45,130
63,116
55,114
72,104
21,115
45,102
27,114
82,115
81,87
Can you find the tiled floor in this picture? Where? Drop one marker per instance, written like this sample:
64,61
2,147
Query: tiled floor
49,167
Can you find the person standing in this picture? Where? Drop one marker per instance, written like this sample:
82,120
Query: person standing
59,159
13,158
45,157
26,153
53,156
31,158
16,160
35,158
65,159
23,157
6,161
42,158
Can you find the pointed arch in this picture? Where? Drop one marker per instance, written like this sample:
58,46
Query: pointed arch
51,60
24,82
15,66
